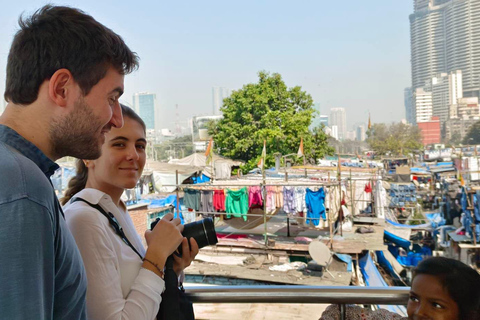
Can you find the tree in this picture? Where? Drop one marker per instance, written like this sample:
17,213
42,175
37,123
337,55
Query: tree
395,139
270,111
473,134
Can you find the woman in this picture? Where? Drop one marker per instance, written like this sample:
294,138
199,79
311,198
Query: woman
120,284
442,289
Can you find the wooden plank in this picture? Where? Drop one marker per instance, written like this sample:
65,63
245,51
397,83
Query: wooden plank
265,275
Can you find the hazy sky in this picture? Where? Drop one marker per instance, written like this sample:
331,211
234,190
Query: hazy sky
351,54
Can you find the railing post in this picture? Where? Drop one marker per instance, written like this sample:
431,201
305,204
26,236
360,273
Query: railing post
343,311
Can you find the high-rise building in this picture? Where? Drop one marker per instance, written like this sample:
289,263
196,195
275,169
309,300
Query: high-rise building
317,119
218,94
468,108
144,105
444,36
360,136
334,132
422,100
409,107
439,86
323,120
338,117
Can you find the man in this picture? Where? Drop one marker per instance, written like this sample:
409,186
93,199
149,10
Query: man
64,78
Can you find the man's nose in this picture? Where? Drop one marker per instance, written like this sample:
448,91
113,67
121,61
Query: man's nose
117,117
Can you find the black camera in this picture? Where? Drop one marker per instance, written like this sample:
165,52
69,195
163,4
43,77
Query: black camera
203,231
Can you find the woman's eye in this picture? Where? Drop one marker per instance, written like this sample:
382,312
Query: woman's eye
119,145
141,146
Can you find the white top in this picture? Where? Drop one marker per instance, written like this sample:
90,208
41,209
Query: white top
118,287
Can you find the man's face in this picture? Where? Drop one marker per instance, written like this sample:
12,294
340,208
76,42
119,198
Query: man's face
81,133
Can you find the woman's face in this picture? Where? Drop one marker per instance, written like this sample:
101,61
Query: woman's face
123,157
430,300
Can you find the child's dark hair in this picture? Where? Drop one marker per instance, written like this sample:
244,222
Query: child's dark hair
461,282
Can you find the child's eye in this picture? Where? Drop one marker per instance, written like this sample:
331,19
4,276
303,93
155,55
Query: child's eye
437,306
413,298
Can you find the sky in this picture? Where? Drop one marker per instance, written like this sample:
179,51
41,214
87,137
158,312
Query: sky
350,54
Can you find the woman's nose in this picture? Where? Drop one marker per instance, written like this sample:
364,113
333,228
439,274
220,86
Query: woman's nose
132,154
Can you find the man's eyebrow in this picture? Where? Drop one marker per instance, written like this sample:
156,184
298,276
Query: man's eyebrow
117,89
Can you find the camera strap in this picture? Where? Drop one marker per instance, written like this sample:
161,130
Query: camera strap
113,223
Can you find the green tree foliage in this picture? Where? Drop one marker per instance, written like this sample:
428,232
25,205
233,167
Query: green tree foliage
473,134
394,139
270,111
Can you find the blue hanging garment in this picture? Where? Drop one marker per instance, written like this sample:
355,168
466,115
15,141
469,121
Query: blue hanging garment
315,201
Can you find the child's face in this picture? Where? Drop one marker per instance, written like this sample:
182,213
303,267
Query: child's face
430,300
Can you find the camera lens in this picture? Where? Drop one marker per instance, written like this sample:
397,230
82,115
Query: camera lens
203,231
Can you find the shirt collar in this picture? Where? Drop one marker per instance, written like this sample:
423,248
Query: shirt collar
28,149
93,196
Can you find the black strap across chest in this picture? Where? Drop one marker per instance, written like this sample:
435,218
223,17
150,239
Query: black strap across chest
113,223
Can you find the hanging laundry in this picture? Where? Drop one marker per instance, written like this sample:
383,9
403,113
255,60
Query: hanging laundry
315,201
300,199
237,203
271,198
219,200
368,188
289,204
279,196
255,196
191,199
206,201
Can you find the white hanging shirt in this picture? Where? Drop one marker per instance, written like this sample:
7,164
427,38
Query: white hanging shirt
118,287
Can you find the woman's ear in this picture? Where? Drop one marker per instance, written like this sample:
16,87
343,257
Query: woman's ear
90,164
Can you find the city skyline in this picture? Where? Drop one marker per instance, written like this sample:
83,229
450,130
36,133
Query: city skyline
336,53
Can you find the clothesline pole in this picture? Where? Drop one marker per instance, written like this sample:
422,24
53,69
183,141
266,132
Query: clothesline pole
352,196
176,180
264,208
340,201
304,166
288,217
330,220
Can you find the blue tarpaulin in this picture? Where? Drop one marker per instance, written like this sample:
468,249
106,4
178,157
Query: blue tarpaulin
202,179
397,240
407,226
373,278
347,259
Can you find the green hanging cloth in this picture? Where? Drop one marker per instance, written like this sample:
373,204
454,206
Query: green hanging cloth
236,203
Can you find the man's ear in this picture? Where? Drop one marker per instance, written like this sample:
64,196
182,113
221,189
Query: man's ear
61,86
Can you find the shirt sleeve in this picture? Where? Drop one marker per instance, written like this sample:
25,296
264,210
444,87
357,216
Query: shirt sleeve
105,299
27,265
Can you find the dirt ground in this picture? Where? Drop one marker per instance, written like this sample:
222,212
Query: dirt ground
258,311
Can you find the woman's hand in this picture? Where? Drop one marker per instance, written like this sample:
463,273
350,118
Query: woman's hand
188,255
164,239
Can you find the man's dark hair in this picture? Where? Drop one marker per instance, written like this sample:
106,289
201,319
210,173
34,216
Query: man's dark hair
461,282
56,37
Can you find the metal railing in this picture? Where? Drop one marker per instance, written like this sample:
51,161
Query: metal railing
300,294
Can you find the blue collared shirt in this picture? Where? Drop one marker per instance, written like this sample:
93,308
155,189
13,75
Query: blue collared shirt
41,270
